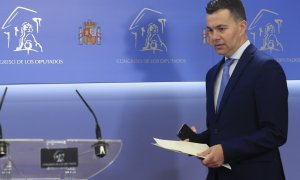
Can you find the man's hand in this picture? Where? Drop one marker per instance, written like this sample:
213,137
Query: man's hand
214,156
193,128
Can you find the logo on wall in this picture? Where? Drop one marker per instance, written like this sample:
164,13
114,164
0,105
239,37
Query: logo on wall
148,30
265,30
90,33
21,29
204,36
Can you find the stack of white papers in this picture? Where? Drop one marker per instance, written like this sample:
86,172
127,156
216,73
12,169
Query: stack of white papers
190,148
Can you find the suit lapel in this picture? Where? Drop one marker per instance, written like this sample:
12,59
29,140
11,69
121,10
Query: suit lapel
238,71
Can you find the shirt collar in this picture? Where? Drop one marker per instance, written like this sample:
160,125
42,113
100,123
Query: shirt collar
237,55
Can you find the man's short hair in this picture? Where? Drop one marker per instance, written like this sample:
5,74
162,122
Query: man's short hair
235,7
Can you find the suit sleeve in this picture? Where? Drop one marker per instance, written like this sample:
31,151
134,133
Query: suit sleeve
271,97
203,137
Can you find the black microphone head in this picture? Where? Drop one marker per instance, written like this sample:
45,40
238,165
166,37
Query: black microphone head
101,148
3,149
98,131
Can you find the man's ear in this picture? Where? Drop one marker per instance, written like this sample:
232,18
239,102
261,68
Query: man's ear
243,26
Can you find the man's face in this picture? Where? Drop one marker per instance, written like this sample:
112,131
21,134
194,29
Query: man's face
225,34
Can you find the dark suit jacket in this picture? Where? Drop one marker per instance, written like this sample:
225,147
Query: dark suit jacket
252,120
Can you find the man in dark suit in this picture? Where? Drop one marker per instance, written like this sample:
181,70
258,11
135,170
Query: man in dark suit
248,121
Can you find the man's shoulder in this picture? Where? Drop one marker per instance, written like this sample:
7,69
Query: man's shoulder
265,60
259,57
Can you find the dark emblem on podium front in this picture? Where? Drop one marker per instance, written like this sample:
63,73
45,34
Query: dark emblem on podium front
61,157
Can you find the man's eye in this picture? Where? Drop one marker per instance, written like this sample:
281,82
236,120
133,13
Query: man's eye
209,30
221,29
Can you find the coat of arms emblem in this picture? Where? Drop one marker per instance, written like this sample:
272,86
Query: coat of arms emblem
90,34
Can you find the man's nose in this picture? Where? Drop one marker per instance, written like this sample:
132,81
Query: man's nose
215,36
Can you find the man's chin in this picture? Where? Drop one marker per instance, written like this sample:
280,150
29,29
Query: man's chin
220,52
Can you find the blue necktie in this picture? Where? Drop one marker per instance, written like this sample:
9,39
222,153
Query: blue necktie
224,81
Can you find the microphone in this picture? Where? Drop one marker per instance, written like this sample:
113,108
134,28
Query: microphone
100,147
3,144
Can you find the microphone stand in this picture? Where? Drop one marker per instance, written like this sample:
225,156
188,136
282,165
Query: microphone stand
101,146
3,144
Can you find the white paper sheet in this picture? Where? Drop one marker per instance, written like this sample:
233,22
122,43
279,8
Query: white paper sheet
190,148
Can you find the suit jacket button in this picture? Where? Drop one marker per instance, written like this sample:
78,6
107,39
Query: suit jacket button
216,131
